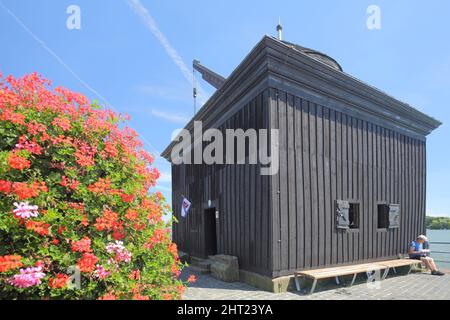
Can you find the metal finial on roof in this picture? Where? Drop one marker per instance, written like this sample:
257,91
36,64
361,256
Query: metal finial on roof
280,30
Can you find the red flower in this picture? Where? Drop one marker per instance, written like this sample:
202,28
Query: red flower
64,181
135,275
132,215
107,221
25,191
167,296
181,289
159,236
111,149
108,296
5,186
85,221
192,279
10,263
83,245
17,162
62,123
101,186
173,249
55,241
61,229
175,270
39,263
16,118
60,281
87,262
84,155
72,184
127,197
30,146
118,233
40,228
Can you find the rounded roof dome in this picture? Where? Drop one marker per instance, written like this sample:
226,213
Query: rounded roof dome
316,55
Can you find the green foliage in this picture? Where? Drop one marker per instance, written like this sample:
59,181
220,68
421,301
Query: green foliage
92,184
437,223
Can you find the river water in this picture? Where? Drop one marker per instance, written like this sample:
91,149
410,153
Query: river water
442,259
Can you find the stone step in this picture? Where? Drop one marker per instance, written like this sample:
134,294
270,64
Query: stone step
200,263
199,270
195,261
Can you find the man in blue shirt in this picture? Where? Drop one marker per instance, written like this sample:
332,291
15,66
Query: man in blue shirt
416,251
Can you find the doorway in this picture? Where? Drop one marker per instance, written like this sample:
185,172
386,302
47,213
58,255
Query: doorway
210,232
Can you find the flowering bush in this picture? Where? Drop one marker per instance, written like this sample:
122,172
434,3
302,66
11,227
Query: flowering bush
74,198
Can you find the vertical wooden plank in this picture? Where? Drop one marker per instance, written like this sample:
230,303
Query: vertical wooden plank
266,202
408,188
370,190
365,200
423,184
360,192
314,200
259,195
392,154
247,192
276,223
339,182
403,190
320,187
355,194
235,202
380,185
398,188
283,181
291,183
333,184
300,215
327,193
383,185
346,144
242,199
307,213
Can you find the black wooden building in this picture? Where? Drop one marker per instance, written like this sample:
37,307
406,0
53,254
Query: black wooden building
352,180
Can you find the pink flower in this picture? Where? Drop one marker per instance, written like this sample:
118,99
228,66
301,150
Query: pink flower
30,146
27,278
120,252
24,210
101,273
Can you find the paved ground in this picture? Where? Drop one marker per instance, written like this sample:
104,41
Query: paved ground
421,286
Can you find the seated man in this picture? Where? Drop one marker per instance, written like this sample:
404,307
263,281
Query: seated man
416,251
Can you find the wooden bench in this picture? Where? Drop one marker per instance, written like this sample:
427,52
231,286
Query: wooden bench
400,263
336,272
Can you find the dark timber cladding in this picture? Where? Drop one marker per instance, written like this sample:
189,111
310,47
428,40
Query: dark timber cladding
352,181
327,155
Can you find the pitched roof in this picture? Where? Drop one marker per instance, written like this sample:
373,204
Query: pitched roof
312,75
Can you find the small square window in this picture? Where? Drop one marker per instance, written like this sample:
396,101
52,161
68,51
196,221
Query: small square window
353,216
383,216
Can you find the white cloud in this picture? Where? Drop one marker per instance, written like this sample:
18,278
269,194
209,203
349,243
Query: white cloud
150,23
170,116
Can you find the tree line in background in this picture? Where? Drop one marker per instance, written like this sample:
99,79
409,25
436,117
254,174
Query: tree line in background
437,223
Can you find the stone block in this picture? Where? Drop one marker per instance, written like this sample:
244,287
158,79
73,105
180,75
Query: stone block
225,268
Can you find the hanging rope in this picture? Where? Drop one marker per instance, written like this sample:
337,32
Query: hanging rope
194,90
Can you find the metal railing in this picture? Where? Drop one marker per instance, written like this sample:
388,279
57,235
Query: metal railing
441,252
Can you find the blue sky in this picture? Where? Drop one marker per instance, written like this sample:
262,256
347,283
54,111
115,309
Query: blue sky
121,58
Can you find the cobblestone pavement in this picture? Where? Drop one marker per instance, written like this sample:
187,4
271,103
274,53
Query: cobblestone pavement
415,286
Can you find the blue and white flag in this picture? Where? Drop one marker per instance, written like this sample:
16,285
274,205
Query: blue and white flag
185,206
